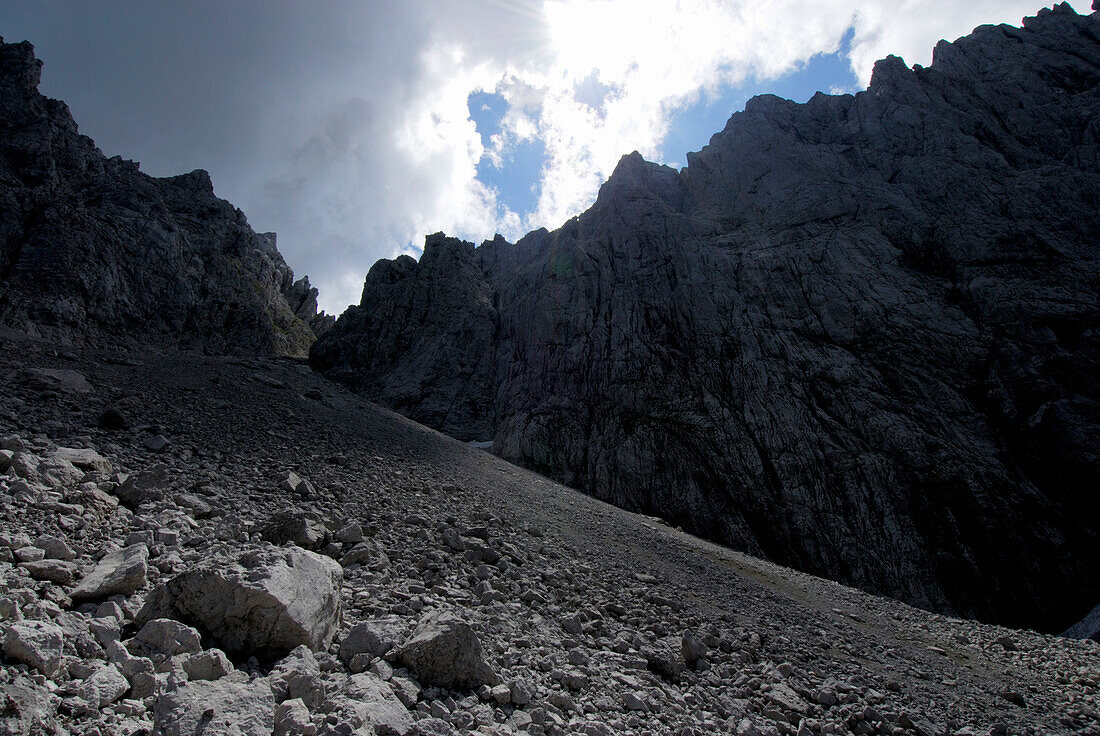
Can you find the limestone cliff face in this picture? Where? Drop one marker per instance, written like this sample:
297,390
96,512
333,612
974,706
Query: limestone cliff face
91,248
860,336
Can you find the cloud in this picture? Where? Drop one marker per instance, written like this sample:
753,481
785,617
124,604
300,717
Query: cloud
344,126
660,56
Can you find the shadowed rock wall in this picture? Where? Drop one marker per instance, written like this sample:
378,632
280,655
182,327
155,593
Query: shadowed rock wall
858,335
91,248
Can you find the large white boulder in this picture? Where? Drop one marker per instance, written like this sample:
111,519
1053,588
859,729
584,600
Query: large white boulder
444,650
270,598
121,572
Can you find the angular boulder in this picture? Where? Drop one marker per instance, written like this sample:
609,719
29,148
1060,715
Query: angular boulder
225,706
374,637
298,677
57,472
444,651
105,686
35,643
269,598
376,704
163,637
55,571
294,526
148,485
292,718
122,572
209,665
28,709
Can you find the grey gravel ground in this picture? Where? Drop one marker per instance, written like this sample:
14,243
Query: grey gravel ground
591,620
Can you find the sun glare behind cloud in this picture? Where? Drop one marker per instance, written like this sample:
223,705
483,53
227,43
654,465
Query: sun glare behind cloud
354,133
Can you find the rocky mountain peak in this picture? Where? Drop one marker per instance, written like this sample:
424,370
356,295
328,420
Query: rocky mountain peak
636,180
91,249
855,335
19,69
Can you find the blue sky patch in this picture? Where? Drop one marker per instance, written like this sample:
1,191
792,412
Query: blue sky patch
691,127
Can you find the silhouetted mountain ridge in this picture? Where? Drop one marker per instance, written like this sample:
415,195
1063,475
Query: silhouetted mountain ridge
858,335
93,249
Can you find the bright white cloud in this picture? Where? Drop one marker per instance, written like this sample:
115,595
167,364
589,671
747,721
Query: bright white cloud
660,55
373,179
344,126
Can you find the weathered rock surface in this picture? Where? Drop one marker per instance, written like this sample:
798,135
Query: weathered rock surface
106,685
444,650
121,572
227,706
267,598
28,710
1086,628
148,485
858,336
36,643
162,638
90,247
589,619
378,706
594,620
375,637
294,526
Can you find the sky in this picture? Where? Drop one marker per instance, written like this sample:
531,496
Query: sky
353,128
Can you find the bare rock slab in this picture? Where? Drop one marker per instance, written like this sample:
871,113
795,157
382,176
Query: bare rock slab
85,459
36,643
215,707
28,709
377,705
270,598
122,572
374,637
444,650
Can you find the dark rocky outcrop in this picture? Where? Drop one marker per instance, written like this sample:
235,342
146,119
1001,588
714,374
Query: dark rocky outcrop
860,335
91,248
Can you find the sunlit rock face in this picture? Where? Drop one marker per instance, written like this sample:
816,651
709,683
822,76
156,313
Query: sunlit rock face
93,249
860,336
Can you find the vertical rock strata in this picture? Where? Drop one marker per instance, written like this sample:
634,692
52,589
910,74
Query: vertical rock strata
857,335
91,248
